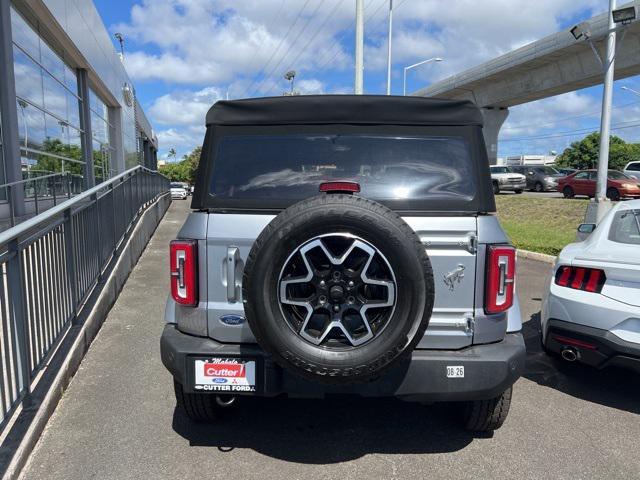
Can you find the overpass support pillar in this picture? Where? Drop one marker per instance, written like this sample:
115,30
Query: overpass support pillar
494,117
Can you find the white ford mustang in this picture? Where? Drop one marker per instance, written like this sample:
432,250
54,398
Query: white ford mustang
591,308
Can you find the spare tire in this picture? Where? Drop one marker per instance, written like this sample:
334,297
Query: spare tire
338,288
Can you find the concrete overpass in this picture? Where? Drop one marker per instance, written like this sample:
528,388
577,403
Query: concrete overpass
550,66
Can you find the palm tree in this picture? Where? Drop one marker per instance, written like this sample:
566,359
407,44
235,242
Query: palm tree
172,153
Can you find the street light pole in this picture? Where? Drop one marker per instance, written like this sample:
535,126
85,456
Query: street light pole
605,119
635,92
389,47
404,79
120,39
359,46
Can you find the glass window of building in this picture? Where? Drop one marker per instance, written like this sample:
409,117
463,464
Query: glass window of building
1,160
48,104
103,152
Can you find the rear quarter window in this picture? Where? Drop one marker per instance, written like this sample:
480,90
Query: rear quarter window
625,227
634,167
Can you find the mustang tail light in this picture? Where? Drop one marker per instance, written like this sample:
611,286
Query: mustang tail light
581,278
500,282
184,271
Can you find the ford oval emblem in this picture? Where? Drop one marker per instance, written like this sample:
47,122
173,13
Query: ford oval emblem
232,319
219,380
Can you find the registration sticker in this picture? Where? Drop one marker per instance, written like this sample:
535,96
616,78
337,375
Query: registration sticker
455,372
225,375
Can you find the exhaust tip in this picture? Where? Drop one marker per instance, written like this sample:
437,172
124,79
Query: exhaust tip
225,401
569,354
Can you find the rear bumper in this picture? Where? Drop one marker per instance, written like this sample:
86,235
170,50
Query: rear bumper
489,370
600,349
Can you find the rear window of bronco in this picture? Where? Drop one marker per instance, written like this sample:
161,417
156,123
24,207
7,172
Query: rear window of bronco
387,167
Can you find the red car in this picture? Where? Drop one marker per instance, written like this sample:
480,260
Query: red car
619,185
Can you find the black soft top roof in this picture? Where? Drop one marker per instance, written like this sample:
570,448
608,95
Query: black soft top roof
344,109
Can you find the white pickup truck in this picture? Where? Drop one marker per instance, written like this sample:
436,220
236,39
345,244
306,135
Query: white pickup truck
502,178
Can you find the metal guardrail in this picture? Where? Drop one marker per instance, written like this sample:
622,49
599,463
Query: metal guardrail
45,191
50,264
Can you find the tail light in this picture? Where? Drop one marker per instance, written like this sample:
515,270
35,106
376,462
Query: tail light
340,187
184,271
500,283
574,342
581,278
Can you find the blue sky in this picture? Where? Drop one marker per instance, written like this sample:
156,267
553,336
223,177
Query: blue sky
183,55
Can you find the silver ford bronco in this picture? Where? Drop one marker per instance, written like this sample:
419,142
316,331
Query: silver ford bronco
344,245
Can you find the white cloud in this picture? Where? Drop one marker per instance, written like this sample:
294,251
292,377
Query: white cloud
466,32
563,112
207,48
205,42
184,107
215,42
310,86
180,139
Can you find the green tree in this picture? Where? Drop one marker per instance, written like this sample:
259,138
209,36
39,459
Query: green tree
185,170
53,164
193,160
176,171
584,153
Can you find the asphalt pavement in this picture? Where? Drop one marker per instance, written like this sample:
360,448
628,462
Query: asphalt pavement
118,420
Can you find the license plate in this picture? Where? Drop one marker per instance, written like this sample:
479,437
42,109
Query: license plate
455,372
225,375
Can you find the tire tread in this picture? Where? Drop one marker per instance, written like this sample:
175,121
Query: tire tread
334,204
199,407
488,415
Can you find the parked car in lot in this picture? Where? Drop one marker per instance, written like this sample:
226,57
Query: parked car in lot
309,265
502,178
178,191
585,182
566,171
591,308
632,169
540,178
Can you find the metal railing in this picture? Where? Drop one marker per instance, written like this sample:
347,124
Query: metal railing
45,191
50,264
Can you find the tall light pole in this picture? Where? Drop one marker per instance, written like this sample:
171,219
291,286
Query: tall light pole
120,39
359,46
605,119
404,78
389,47
290,76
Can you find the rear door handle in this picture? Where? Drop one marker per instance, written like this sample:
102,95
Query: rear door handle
232,260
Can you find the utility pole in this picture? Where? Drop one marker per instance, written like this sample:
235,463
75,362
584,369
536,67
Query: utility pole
359,46
389,47
605,118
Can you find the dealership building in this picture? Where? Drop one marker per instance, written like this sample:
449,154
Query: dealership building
69,114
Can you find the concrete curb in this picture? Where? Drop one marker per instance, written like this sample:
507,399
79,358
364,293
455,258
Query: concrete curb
130,252
541,257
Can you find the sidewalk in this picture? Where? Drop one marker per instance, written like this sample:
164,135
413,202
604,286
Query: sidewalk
120,383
